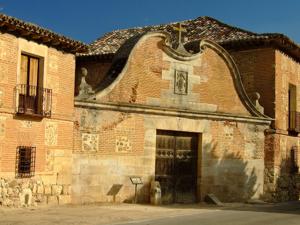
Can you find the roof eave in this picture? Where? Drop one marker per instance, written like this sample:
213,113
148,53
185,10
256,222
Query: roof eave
279,42
37,34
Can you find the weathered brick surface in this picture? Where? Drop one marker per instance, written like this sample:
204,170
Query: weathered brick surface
287,72
258,75
149,77
270,72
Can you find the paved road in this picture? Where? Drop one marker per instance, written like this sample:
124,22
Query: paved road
283,214
132,214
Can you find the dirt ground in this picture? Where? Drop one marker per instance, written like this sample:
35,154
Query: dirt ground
93,214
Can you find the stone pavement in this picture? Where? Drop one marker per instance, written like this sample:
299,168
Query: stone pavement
92,214
98,214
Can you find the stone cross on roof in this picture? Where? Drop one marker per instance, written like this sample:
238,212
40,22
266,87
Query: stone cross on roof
180,48
180,30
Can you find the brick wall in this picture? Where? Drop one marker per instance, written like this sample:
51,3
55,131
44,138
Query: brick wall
287,72
149,79
258,75
52,136
280,176
270,72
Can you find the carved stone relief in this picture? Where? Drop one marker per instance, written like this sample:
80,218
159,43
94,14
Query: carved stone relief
90,142
89,120
51,134
181,82
123,144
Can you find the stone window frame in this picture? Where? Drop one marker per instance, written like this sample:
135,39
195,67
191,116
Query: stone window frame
36,50
31,97
25,161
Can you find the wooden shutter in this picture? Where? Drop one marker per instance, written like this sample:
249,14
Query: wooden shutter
33,75
24,73
292,107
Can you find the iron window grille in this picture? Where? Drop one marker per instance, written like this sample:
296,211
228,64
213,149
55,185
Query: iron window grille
33,100
25,161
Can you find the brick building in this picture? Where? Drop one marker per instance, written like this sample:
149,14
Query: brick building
211,110
230,91
37,70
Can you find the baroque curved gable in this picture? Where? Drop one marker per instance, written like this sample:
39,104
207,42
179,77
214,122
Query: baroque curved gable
152,73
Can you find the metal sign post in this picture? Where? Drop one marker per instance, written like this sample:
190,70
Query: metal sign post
136,181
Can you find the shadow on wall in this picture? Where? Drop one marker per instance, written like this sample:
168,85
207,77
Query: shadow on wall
234,178
285,185
227,175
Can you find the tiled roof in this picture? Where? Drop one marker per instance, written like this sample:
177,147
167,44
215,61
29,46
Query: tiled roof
38,34
199,28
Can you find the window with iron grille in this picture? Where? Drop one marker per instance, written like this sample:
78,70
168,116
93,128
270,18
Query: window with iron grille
25,161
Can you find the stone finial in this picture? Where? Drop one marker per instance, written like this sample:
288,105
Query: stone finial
85,90
84,71
255,99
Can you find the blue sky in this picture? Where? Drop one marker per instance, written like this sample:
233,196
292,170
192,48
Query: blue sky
86,20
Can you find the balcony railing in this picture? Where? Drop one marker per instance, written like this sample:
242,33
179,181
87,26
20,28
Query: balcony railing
33,100
294,121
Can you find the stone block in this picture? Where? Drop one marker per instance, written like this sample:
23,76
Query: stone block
34,188
47,190
13,184
26,197
40,198
56,190
2,182
64,199
59,153
4,192
7,202
9,191
66,189
16,202
52,200
40,189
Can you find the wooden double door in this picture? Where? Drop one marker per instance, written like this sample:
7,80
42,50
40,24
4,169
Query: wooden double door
176,166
